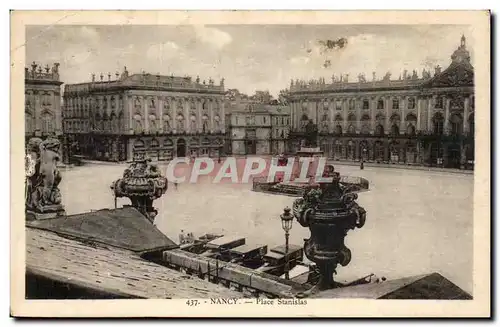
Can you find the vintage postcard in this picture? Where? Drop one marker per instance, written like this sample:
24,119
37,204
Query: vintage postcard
250,164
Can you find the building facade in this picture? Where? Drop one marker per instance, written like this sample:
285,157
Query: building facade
42,102
257,128
143,115
426,119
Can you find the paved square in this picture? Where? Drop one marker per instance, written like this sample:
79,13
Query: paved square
417,221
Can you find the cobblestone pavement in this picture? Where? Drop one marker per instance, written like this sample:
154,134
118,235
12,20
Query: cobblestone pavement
418,221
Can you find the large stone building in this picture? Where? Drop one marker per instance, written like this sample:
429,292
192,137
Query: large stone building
144,115
257,128
414,119
42,101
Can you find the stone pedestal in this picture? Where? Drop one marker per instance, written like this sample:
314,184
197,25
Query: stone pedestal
307,152
49,213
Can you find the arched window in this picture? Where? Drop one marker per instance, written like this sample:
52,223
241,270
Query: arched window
28,119
366,104
351,117
139,144
351,130
378,149
338,117
205,123
471,124
379,130
411,103
394,130
137,123
47,123
380,104
180,122
114,122
338,130
338,149
395,103
166,123
410,130
456,124
438,121
168,143
155,144
439,102
365,129
350,150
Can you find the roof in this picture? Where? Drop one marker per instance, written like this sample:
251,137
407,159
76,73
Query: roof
124,228
429,286
118,273
456,75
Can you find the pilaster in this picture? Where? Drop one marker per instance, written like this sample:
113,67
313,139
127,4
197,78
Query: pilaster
447,116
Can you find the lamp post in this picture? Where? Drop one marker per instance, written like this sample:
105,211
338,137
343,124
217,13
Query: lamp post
286,224
362,166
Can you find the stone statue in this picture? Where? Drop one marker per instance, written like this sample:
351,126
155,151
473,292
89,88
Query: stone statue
43,197
311,138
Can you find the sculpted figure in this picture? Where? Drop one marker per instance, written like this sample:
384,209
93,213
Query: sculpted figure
43,177
311,134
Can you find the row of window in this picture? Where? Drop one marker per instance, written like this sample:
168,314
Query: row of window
251,120
48,124
168,143
102,103
365,104
365,117
281,121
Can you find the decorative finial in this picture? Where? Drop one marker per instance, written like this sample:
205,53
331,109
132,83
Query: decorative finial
47,68
102,76
117,75
109,76
93,77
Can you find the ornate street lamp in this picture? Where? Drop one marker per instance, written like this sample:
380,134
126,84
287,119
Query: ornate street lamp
286,224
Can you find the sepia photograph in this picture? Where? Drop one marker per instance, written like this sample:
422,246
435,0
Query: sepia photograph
253,169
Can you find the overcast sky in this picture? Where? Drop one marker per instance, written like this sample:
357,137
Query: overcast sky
249,57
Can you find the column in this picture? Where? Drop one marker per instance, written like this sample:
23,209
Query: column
145,118
345,110
331,112
447,116
402,104
430,106
160,113
37,110
388,106
466,115
419,113
222,117
211,114
373,114
128,109
357,106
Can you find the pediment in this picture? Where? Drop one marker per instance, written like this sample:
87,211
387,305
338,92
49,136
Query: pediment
454,76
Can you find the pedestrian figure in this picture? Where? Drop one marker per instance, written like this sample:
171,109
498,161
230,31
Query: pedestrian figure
362,165
175,185
182,237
